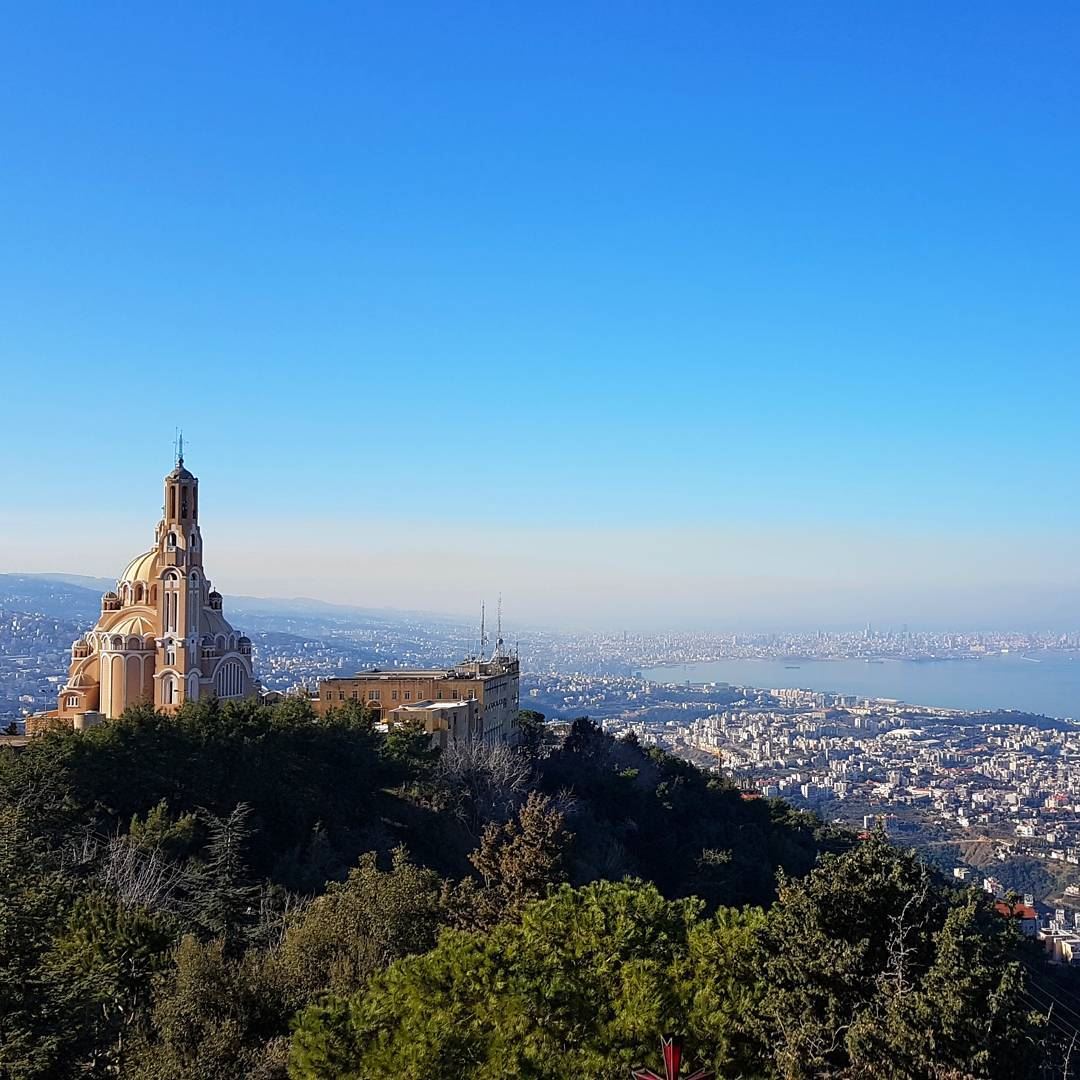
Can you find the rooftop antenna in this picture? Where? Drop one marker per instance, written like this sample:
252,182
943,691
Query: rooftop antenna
498,631
483,635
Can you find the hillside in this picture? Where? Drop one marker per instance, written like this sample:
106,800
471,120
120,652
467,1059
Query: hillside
248,891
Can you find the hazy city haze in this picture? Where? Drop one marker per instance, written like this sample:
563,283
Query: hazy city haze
709,316
748,574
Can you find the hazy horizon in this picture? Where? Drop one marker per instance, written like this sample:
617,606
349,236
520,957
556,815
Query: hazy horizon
574,579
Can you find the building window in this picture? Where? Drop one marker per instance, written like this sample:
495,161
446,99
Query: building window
354,695
72,701
168,692
393,695
408,695
327,695
373,695
341,695
455,695
440,695
229,680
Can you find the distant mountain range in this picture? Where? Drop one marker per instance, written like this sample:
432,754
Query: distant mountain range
79,596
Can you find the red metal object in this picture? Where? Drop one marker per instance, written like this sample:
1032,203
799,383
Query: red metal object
671,1048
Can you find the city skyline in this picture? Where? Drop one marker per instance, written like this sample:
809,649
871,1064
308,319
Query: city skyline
707,318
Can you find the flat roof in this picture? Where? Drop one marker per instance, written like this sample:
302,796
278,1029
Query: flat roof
416,673
398,673
430,706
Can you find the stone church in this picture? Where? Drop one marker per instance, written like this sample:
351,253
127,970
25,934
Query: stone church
161,637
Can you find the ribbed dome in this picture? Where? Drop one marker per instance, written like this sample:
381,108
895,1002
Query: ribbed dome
80,682
138,625
142,567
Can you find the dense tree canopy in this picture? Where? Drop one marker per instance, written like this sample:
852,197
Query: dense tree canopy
864,968
252,891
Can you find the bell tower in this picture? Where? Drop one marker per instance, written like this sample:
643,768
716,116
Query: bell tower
178,536
182,596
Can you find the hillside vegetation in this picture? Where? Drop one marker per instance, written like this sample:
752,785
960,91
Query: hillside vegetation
251,891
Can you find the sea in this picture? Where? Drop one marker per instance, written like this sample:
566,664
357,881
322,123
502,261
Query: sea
1039,682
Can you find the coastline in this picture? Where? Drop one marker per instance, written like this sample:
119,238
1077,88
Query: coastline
1009,682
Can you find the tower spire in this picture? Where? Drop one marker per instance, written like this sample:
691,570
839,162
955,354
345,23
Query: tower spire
180,447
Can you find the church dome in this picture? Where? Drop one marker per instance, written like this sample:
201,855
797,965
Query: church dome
138,625
80,682
142,568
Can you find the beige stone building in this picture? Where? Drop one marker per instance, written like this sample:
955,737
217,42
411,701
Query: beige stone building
445,721
492,684
161,637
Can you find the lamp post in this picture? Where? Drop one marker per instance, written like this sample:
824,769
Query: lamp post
671,1049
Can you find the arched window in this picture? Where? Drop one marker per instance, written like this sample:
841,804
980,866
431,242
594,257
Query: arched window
168,691
229,680
170,541
172,602
194,604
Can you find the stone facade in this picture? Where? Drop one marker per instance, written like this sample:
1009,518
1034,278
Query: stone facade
491,683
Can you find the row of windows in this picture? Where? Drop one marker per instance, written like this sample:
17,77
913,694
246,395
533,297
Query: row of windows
172,540
406,695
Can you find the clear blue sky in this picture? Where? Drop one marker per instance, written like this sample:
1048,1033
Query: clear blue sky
732,273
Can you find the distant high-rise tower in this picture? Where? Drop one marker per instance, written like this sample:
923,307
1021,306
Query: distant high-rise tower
161,637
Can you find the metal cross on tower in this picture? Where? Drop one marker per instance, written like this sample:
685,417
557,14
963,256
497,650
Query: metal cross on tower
671,1048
